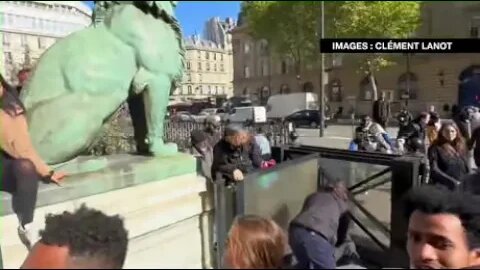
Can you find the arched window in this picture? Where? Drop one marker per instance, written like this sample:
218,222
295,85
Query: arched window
366,89
246,72
335,90
308,87
245,91
407,86
189,89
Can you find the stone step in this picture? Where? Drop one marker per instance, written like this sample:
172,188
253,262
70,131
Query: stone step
176,246
146,208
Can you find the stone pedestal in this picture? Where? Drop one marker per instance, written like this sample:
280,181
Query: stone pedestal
165,205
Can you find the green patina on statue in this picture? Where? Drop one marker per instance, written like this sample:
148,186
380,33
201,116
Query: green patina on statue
134,51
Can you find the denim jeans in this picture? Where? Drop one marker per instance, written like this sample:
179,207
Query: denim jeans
311,250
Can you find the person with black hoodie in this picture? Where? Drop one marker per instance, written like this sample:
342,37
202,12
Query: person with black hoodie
236,154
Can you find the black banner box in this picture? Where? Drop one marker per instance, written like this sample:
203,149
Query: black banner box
400,45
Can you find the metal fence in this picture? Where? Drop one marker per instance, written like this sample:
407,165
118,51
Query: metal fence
118,135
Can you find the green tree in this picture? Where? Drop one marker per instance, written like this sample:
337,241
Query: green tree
376,19
289,28
292,28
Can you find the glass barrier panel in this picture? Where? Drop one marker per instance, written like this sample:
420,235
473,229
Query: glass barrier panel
279,193
371,195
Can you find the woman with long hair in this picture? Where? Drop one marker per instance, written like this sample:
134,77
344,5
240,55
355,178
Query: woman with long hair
433,127
22,167
255,243
448,157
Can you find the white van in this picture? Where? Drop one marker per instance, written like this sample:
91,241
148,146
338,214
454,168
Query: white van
283,105
257,114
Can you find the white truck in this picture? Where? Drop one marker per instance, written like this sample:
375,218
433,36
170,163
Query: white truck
283,105
256,114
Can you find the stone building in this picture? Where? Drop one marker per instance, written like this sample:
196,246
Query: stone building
208,71
28,28
433,79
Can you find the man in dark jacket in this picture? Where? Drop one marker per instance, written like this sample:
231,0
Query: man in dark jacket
381,110
236,154
319,228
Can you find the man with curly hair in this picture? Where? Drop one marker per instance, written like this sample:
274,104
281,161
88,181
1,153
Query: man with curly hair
84,239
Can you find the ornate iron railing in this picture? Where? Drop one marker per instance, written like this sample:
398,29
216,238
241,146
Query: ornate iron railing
118,135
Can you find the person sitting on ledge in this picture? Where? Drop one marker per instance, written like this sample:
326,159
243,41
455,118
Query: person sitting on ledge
85,239
236,154
22,167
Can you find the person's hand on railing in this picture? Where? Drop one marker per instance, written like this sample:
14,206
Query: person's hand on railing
237,175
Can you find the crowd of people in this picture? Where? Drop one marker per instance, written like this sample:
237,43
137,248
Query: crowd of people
445,145
444,218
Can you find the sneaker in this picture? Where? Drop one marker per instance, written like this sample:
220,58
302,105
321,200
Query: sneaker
27,235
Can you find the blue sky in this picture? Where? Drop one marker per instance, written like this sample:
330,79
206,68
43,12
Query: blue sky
193,14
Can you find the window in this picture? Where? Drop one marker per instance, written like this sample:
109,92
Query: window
8,57
221,67
6,39
474,28
284,67
209,89
284,89
246,47
407,86
215,67
23,40
188,65
263,48
189,89
207,55
199,66
208,66
216,90
200,77
41,43
263,69
189,77
214,56
9,19
246,72
199,54
335,90
221,56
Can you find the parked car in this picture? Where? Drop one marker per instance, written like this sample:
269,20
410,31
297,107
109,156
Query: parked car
215,111
309,118
184,116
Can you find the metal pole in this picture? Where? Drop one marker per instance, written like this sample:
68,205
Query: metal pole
408,81
322,83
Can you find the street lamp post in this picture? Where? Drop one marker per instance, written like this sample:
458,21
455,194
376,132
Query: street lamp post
322,77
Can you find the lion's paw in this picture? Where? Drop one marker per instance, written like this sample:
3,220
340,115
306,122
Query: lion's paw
163,149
